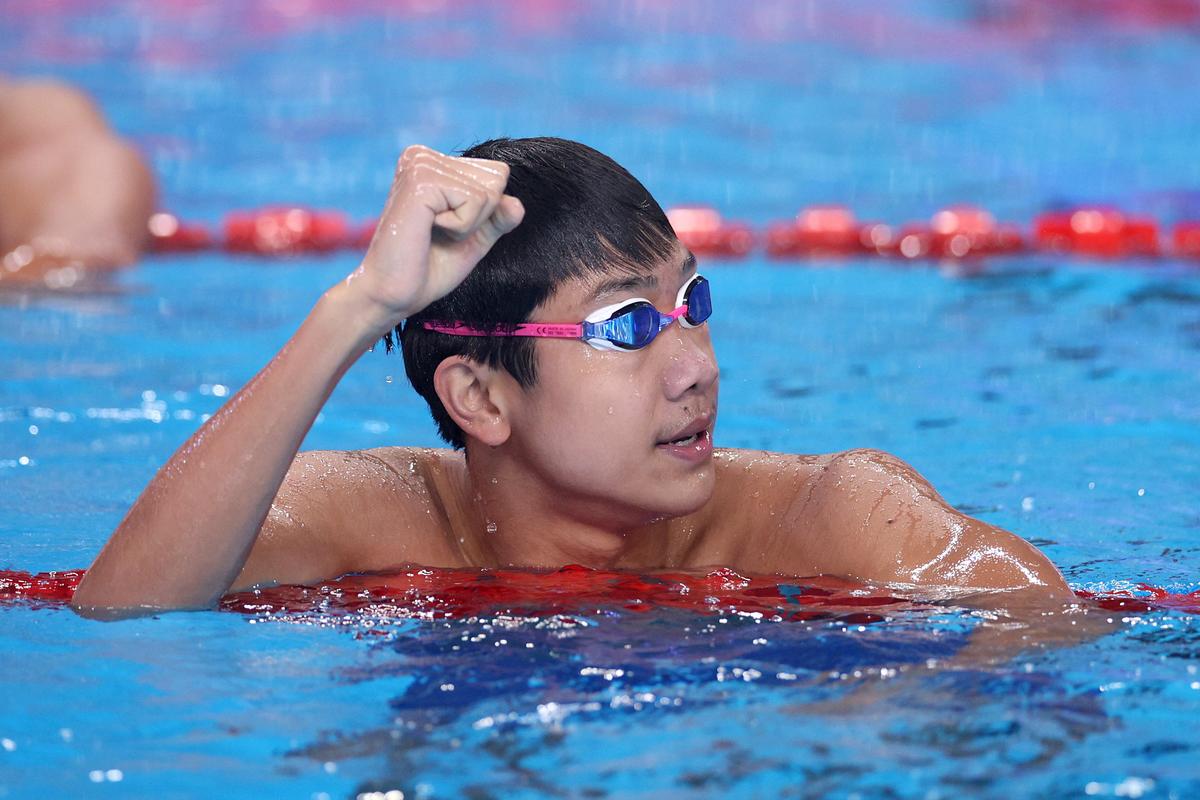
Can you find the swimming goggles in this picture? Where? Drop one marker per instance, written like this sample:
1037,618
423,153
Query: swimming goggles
628,325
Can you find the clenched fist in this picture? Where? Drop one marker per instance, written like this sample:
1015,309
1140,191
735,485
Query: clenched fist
442,215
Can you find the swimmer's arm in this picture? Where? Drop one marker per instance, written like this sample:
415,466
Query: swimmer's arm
1011,625
910,537
188,536
1023,621
882,522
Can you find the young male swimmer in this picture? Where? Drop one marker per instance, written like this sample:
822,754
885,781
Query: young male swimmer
557,329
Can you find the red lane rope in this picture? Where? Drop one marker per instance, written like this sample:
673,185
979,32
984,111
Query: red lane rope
461,593
955,233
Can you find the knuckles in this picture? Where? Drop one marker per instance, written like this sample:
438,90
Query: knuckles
472,188
494,175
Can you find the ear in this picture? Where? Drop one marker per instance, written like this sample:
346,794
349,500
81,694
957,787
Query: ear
473,395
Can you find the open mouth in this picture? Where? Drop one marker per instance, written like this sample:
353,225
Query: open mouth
697,435
685,441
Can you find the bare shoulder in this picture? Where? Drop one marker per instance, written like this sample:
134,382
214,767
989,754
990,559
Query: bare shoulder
881,520
758,464
753,482
744,522
349,511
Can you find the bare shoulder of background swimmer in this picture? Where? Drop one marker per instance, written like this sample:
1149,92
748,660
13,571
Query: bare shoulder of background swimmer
76,196
194,532
867,515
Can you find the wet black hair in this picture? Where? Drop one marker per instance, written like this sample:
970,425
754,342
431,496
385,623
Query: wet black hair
584,215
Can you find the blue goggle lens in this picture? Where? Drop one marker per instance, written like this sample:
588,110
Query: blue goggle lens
698,299
633,327
636,325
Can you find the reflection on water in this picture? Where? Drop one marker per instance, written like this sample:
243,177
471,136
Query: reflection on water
621,703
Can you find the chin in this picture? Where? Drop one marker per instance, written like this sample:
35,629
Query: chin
687,497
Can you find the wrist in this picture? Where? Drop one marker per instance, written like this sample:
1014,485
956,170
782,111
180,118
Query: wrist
376,310
352,319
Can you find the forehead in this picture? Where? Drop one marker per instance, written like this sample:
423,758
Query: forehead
669,271
576,298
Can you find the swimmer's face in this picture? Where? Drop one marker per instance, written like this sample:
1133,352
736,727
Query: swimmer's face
595,425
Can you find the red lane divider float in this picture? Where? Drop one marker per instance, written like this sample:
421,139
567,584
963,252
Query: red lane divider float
957,232
1187,239
277,231
461,593
826,231
169,235
1103,232
702,231
285,231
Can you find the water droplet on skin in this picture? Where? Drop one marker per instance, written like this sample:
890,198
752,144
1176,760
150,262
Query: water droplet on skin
610,409
492,527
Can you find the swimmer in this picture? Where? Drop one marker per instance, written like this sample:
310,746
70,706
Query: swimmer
76,197
558,331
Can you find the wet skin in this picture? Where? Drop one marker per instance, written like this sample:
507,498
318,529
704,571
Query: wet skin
577,469
579,474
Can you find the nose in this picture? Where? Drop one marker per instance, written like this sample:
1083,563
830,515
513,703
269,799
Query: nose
691,362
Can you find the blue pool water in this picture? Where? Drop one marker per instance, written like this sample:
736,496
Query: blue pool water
1051,396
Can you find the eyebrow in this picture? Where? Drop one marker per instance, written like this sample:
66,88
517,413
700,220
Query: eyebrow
647,281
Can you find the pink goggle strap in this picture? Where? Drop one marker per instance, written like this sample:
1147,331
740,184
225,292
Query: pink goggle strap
540,330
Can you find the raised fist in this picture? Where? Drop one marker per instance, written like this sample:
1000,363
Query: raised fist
442,215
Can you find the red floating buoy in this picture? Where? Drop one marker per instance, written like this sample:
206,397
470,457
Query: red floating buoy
702,231
277,231
962,231
824,231
954,233
1090,231
1187,239
169,235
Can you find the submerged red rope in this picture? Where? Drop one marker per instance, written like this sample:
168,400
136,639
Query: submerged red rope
460,593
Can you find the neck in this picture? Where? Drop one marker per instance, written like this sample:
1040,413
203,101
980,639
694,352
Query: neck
517,521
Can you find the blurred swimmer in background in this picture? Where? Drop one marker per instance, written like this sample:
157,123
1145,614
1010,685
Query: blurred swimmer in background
74,196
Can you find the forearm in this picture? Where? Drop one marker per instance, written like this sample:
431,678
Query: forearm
188,535
1015,622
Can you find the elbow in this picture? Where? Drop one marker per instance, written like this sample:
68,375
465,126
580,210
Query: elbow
115,612
103,613
92,601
